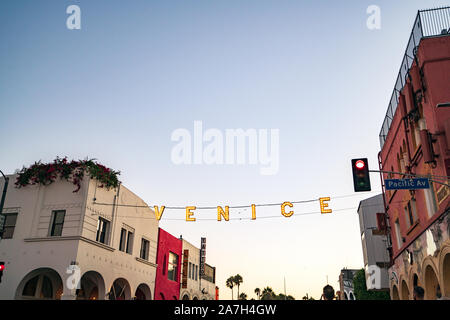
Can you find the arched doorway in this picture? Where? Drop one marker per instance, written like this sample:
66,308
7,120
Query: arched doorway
395,295
446,275
431,283
351,296
195,298
416,281
185,297
404,290
92,287
143,292
120,290
345,296
42,283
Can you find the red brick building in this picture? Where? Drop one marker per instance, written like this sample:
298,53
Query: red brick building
415,140
168,259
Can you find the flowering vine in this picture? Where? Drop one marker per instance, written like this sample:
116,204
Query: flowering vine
73,171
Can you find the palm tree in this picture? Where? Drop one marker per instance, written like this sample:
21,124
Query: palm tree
267,294
258,292
230,284
237,279
243,296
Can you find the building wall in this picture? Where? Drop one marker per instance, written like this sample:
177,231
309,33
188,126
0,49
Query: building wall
109,260
32,252
193,290
208,286
374,243
166,289
433,58
200,289
346,284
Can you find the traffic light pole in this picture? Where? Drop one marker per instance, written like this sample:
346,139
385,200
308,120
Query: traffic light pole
2,201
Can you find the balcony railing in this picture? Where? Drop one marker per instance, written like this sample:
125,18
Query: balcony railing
428,23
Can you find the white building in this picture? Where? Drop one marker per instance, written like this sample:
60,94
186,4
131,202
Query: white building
374,243
196,287
56,236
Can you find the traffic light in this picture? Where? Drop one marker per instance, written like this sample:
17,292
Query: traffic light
361,179
2,267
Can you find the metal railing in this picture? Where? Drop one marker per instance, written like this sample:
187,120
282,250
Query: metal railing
428,23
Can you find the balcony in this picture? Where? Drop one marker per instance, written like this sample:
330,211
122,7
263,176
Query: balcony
428,23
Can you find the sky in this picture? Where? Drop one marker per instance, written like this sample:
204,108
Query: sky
116,89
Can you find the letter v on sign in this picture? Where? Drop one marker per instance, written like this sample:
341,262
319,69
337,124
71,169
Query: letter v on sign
158,212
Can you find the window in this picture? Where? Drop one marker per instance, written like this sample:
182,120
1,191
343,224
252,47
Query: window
190,271
145,245
123,235
411,212
172,270
9,225
196,272
56,223
398,234
430,200
130,238
102,230
415,136
126,241
399,166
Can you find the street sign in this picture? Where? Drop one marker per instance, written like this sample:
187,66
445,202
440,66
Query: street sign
408,184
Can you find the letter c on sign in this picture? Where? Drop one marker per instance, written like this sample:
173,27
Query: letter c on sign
283,212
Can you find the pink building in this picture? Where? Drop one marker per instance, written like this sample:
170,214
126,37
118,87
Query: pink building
415,140
168,259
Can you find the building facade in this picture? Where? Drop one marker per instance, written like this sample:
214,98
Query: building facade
90,244
168,275
346,284
374,242
415,140
195,286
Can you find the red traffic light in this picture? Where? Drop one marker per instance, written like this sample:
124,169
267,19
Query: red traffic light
360,164
2,267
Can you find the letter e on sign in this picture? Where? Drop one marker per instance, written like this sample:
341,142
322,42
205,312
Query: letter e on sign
324,205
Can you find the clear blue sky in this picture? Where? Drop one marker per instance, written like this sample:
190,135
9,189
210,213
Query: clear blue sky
137,70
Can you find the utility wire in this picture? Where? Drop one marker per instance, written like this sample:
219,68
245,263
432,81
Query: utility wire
231,207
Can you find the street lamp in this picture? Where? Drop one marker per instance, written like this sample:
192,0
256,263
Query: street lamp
2,202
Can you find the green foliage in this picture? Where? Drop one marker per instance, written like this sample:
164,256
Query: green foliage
243,296
237,279
269,294
360,289
230,284
73,171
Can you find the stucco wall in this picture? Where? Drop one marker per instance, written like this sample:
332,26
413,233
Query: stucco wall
166,289
32,249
